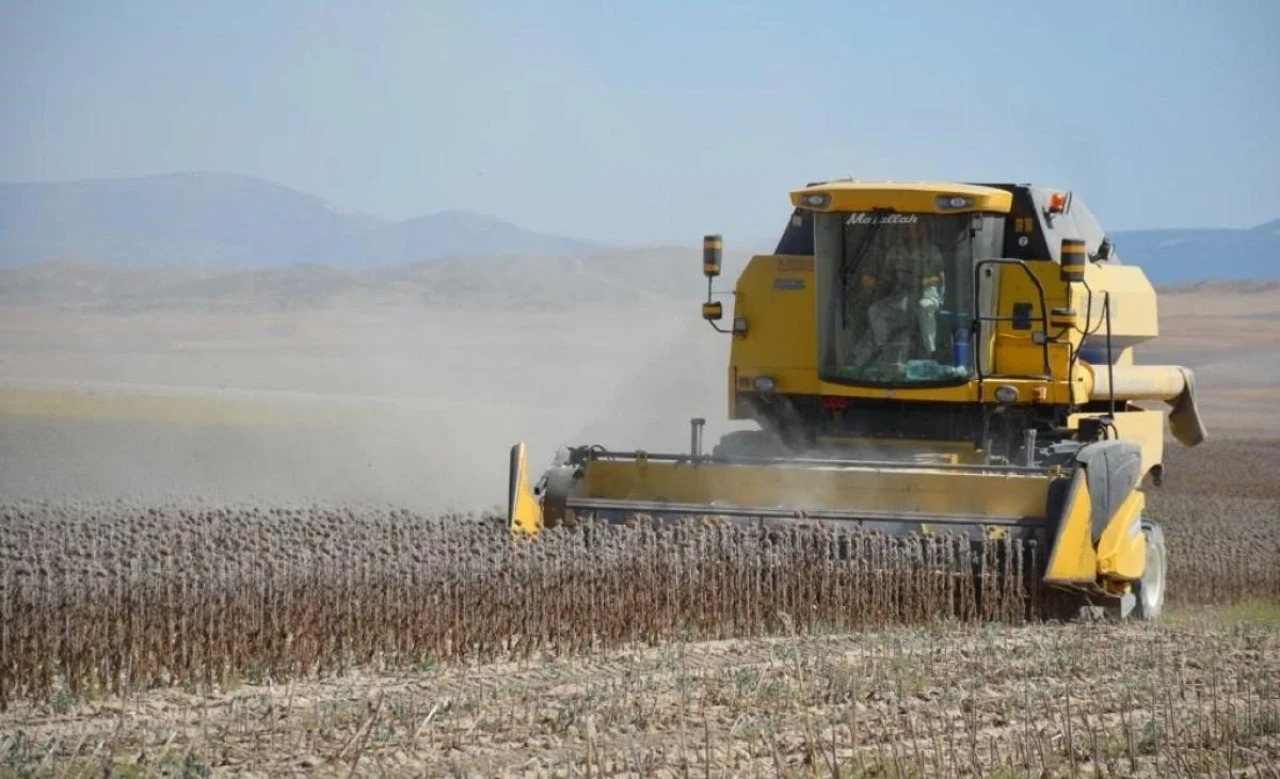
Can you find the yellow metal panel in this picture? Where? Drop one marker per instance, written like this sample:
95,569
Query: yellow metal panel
781,322
962,393
1015,350
1122,549
733,390
917,196
924,451
1018,354
1134,313
789,381
1141,426
926,490
797,381
523,510
1072,559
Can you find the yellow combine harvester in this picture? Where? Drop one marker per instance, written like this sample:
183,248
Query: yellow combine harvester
924,358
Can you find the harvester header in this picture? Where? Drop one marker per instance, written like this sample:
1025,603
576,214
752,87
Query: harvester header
924,357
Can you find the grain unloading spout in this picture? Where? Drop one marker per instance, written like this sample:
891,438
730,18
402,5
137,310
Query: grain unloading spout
1173,384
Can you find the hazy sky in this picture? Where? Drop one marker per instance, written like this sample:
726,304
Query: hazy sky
659,120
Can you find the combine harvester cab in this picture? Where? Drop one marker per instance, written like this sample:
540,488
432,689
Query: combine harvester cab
924,358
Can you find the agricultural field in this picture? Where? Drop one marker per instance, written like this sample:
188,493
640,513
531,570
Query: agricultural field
295,640
262,578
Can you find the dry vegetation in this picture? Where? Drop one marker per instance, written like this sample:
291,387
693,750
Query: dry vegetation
104,605
1185,700
160,597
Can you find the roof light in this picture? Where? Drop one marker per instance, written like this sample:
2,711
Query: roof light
948,202
1057,202
818,200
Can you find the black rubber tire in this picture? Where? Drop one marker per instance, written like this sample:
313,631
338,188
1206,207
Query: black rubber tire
746,443
559,482
1149,591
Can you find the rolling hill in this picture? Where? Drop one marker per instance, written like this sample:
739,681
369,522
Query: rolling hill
1191,255
223,220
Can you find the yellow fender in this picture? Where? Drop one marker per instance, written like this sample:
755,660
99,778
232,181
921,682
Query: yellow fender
1122,550
1072,558
1099,532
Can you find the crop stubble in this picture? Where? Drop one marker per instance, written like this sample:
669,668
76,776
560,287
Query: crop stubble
110,600
115,601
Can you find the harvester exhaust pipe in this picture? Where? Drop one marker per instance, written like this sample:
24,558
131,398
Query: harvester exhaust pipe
695,436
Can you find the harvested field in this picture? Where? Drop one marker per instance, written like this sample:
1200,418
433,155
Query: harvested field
1194,697
134,608
1220,508
173,602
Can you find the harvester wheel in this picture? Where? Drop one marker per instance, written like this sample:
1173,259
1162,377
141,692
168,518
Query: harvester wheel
1149,590
555,495
746,443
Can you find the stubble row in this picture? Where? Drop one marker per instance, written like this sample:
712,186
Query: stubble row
103,603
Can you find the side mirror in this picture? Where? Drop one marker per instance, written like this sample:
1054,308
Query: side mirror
1104,250
712,247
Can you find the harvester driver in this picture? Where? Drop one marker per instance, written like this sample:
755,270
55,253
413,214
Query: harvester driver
909,275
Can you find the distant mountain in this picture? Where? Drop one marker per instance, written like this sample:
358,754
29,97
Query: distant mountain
227,220
1197,254
462,233
221,221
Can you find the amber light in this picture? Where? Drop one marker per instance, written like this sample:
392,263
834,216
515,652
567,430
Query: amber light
1057,202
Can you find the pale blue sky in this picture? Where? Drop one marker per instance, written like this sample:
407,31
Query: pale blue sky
654,121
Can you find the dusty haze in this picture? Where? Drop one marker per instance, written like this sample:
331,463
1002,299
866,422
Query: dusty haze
418,406
411,407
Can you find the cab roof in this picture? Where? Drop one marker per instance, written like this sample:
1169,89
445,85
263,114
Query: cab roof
917,196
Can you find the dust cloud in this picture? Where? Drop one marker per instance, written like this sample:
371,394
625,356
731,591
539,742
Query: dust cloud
416,408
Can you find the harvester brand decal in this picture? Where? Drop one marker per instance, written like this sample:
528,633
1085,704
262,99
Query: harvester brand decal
795,264
863,218
788,284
